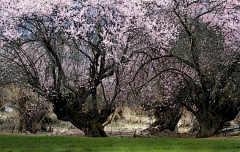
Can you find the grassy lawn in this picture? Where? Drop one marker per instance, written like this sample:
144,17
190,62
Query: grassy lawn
81,144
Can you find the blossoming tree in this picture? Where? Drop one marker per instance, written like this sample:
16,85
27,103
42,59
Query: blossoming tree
203,49
65,50
211,49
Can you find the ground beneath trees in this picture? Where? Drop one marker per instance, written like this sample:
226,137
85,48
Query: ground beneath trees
124,124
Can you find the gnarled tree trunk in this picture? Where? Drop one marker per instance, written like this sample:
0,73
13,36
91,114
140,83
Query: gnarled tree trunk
213,118
89,121
212,110
208,127
167,117
95,129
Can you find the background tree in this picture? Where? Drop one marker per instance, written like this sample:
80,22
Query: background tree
161,101
149,72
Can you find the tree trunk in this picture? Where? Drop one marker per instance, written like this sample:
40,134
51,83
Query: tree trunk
90,124
211,124
208,127
89,121
212,112
95,129
167,118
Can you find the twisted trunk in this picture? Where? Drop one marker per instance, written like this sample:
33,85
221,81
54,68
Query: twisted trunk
212,117
209,126
90,121
167,118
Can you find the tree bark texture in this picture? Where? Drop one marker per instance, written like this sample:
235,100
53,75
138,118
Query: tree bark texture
211,123
89,121
167,118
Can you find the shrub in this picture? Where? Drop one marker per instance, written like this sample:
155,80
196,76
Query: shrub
32,110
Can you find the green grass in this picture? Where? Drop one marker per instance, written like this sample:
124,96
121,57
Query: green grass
81,144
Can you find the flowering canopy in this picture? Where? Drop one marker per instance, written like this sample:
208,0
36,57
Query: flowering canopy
73,46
